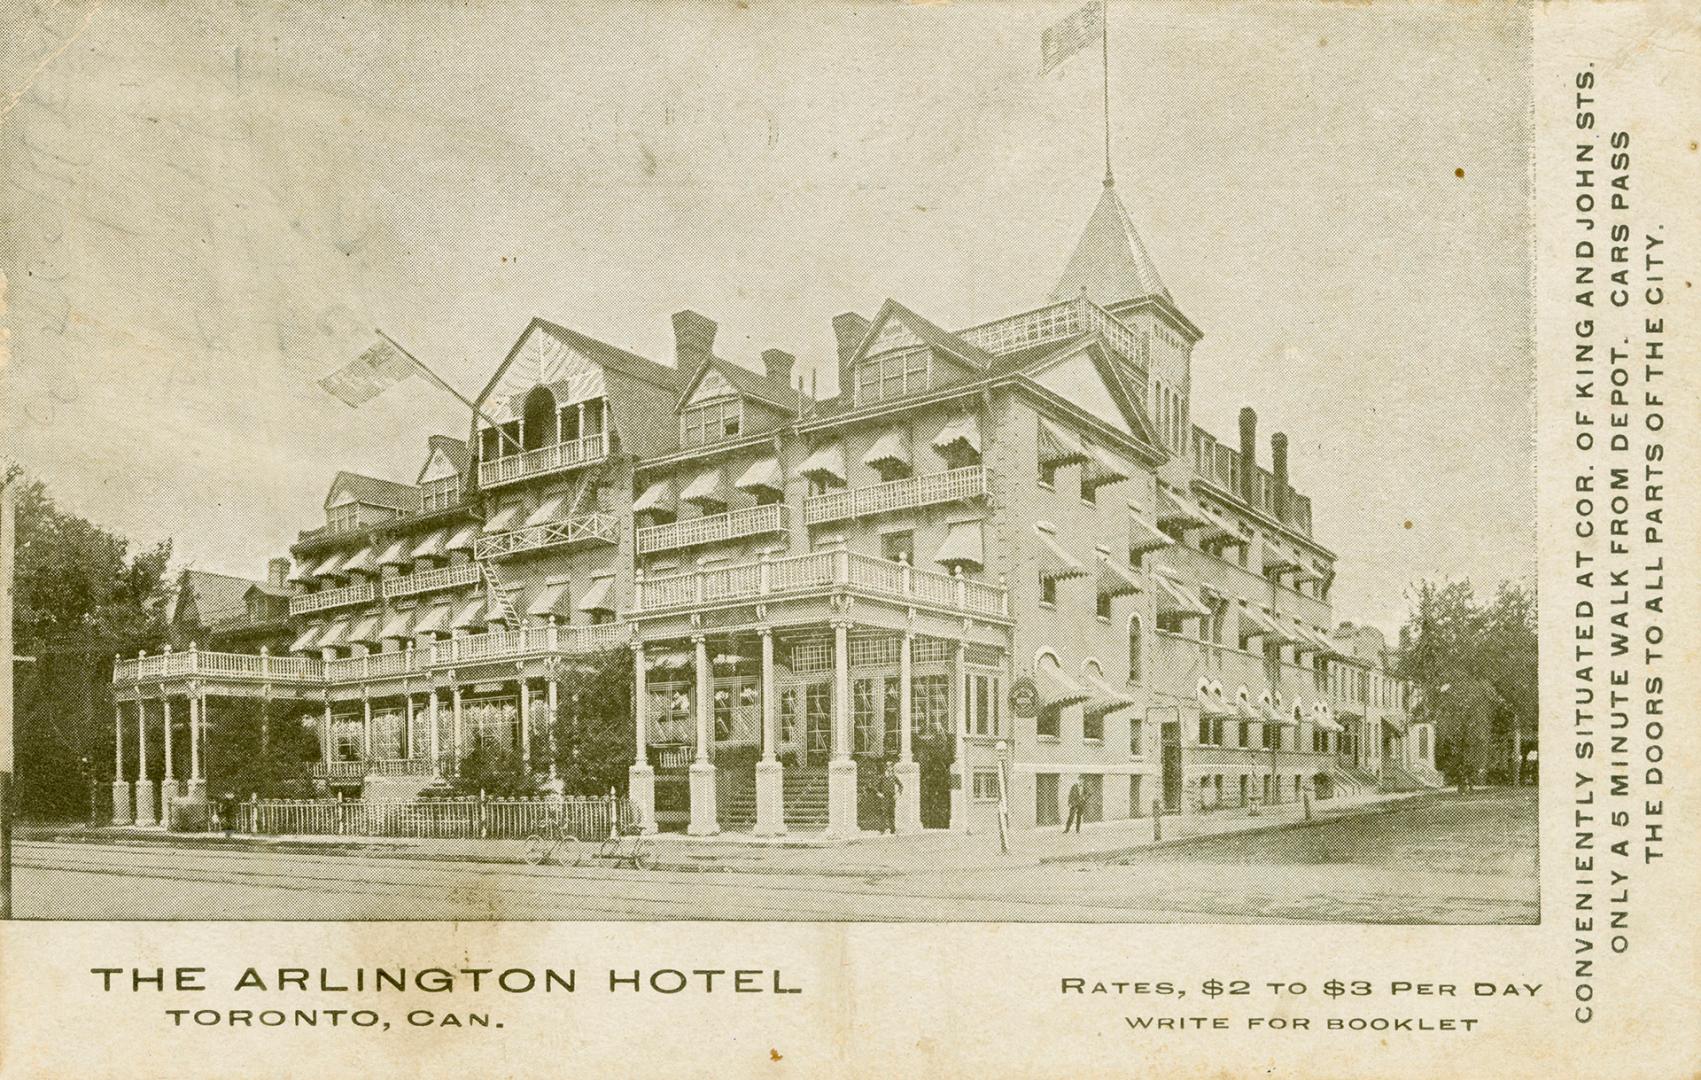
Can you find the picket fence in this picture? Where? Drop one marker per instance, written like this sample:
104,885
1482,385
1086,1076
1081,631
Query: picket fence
586,817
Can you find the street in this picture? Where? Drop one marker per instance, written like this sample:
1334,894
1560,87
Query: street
1442,859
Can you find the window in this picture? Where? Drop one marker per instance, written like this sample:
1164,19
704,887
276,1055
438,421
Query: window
930,704
898,547
865,717
986,785
711,422
1089,490
1049,721
893,375
1210,730
1135,631
1048,591
1134,809
1045,799
342,518
981,694
1047,473
1272,736
1092,726
1136,738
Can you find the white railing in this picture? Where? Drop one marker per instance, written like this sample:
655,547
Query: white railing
529,641
371,666
1066,318
424,581
325,599
546,459
906,494
589,818
601,527
262,667
715,528
818,571
357,770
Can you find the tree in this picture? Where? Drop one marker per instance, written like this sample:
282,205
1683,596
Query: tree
81,597
1474,665
593,723
259,748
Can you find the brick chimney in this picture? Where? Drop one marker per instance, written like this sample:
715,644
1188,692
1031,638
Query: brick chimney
693,339
1279,467
777,363
849,329
1248,455
277,573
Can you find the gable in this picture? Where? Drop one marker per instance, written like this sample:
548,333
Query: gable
711,387
542,358
340,496
1077,379
438,467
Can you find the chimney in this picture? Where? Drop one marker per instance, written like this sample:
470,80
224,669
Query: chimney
277,573
1248,455
1279,467
693,339
849,329
778,364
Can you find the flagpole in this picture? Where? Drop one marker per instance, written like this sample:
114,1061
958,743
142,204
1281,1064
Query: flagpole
439,380
1104,45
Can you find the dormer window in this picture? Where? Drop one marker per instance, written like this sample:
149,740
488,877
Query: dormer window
711,422
894,375
342,518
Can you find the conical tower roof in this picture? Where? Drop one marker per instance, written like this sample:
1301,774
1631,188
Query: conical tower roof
1110,263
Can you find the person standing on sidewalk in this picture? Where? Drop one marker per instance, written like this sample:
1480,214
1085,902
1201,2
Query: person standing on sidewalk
1077,805
890,786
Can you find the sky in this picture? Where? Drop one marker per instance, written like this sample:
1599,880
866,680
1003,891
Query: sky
205,211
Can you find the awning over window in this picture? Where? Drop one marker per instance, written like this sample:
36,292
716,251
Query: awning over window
548,510
963,546
552,599
472,616
505,518
1056,564
890,451
708,489
1101,468
1057,446
762,475
1057,688
658,498
1254,623
1324,722
1176,511
1270,714
1143,536
959,436
308,641
362,561
399,625
336,634
331,565
1278,560
1218,533
434,546
302,572
600,596
364,629
1309,640
396,554
1306,572
1174,598
1104,698
433,620
1243,706
1116,579
463,539
827,463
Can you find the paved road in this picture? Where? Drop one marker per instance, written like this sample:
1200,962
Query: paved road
1457,860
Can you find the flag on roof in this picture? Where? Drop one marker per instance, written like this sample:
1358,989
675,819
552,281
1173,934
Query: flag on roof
1069,36
371,373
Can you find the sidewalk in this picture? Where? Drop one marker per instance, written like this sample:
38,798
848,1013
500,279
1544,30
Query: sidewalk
868,856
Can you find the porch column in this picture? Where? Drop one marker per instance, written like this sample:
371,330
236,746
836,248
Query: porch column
170,779
144,786
327,738
436,748
365,726
770,774
552,703
525,721
460,718
197,731
841,771
641,778
959,764
704,821
907,813
122,814
407,731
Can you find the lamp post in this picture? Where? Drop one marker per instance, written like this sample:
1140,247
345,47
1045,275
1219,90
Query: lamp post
1003,800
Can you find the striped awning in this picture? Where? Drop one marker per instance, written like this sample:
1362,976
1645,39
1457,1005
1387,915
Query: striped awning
1057,446
1243,706
890,451
336,634
1279,560
963,546
1101,468
1058,688
960,434
1176,511
472,615
1321,719
433,620
1143,536
1269,713
1254,623
396,554
600,596
762,475
505,518
709,488
658,498
548,510
1055,564
399,625
309,639
1218,533
364,561
433,546
463,539
1174,598
552,599
364,629
331,565
1105,697
302,572
1116,579
826,463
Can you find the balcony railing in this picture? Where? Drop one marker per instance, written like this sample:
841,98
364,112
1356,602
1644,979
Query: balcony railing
601,527
261,668
1054,322
821,571
373,666
325,599
554,458
529,641
907,494
356,770
715,528
424,581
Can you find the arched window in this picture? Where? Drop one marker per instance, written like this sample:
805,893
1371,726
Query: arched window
538,423
1135,632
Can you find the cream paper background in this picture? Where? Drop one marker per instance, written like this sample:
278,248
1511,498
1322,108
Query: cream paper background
981,1000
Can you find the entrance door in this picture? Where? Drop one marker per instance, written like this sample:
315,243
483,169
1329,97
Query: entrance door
1172,767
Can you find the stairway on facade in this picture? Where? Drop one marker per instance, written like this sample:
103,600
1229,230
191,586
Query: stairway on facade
805,799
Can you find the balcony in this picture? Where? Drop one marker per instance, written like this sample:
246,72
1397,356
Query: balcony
325,599
358,770
953,485
600,527
544,461
261,668
373,666
715,528
434,580
817,572
529,641
1054,322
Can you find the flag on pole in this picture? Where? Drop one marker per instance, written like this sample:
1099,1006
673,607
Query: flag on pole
371,373
1069,36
